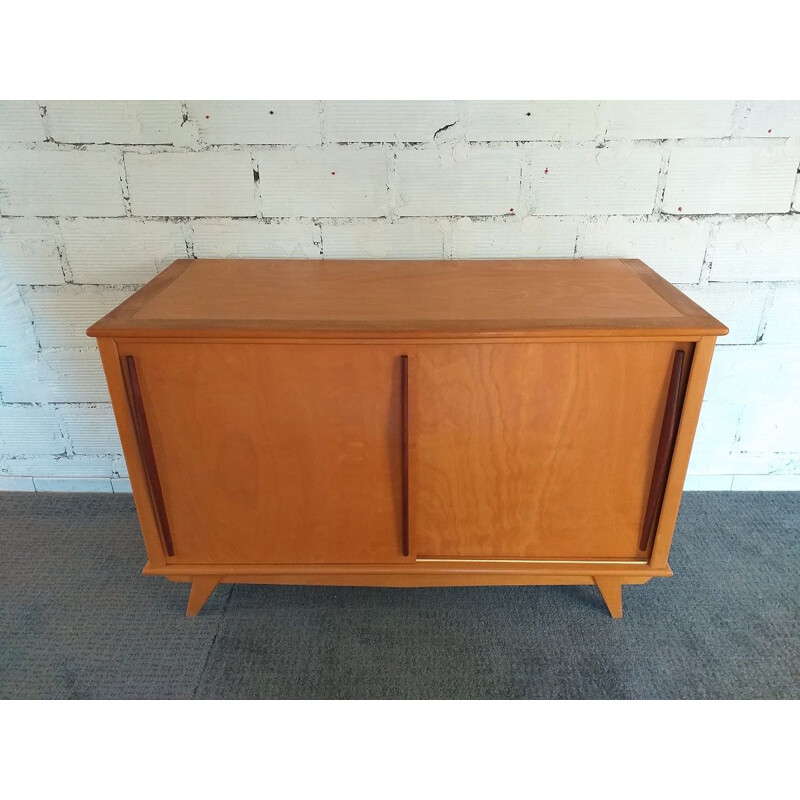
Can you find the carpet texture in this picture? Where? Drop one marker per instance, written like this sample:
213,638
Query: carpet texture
78,620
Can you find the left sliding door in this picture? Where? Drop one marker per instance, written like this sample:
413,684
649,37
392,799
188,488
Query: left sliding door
272,453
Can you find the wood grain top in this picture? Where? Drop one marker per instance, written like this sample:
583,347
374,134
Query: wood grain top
501,298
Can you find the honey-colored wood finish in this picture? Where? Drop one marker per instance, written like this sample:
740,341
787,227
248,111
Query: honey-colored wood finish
407,423
202,588
278,454
400,299
536,450
611,591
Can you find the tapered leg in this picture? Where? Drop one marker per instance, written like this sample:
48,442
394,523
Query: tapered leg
611,589
202,586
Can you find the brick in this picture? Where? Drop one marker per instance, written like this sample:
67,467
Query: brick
29,430
666,119
113,121
737,305
58,466
216,183
72,484
73,376
587,180
256,121
783,318
755,250
675,249
727,385
254,239
708,483
61,316
121,250
531,120
18,484
756,463
462,181
60,182
334,181
769,421
118,467
20,380
731,180
715,439
387,121
531,237
766,483
770,118
91,429
29,251
21,121
414,239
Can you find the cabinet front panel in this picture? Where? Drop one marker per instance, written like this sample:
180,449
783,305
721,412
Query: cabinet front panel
535,450
276,453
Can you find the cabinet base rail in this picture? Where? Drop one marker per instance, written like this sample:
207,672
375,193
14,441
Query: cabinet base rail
608,579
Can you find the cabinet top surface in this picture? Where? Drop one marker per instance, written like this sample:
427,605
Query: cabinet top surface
531,297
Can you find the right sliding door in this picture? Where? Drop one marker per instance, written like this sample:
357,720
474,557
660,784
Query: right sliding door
541,451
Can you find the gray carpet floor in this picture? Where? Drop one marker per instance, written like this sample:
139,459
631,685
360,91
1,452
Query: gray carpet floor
78,620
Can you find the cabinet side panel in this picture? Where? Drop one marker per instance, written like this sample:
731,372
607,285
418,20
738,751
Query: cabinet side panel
109,356
698,376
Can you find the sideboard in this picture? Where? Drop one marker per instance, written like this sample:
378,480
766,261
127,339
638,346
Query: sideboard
407,423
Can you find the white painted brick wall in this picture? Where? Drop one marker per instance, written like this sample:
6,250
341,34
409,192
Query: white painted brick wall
533,237
783,321
61,316
256,122
741,305
63,472
331,182
209,184
735,402
774,426
411,238
757,178
770,118
29,430
666,119
701,191
21,121
384,121
589,180
530,121
757,249
29,250
73,376
113,121
63,467
91,429
117,251
45,183
674,248
457,181
250,238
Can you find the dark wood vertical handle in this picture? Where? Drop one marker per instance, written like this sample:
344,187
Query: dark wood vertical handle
146,452
666,444
404,445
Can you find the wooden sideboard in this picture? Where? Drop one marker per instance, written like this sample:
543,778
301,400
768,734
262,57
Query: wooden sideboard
407,423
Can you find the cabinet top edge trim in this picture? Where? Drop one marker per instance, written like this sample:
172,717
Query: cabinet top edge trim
399,339
390,299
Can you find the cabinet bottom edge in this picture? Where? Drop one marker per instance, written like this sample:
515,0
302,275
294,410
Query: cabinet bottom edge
443,575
